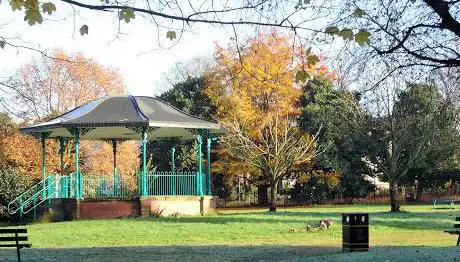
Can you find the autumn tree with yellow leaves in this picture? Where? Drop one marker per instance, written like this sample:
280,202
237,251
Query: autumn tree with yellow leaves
46,88
256,96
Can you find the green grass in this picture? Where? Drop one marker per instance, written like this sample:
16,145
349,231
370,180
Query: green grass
247,235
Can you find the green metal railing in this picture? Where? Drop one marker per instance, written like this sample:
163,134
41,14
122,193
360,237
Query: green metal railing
17,204
104,188
50,188
51,192
160,183
167,183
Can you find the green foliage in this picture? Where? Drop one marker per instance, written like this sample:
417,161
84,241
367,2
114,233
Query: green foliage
346,34
84,30
16,4
332,30
301,76
33,15
171,35
127,14
427,113
318,187
12,184
361,37
352,186
358,12
312,59
186,96
337,113
32,10
187,157
7,125
48,8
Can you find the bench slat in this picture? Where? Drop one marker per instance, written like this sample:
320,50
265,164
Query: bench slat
19,238
12,230
456,225
453,231
14,245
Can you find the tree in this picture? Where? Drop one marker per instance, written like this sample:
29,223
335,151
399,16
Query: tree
339,115
193,68
420,35
23,153
281,146
412,130
249,82
427,18
48,87
12,183
189,97
254,82
98,158
45,88
172,18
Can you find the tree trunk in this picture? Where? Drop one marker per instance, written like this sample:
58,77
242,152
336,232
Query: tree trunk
394,197
273,188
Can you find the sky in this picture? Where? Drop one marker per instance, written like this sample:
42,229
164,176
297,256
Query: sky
136,53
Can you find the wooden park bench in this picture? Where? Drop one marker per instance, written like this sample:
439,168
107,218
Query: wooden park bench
449,202
456,230
10,237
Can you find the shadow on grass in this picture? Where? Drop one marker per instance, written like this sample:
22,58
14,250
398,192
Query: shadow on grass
170,253
404,220
234,253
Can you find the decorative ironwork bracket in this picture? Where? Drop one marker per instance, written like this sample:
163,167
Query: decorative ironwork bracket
42,135
82,130
139,129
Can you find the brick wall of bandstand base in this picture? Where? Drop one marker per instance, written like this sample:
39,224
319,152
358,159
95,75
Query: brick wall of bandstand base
70,209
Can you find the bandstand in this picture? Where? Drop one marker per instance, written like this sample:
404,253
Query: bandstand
114,120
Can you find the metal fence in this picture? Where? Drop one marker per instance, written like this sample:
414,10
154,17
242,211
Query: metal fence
167,183
105,188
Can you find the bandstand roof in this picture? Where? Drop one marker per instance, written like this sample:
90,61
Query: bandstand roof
123,117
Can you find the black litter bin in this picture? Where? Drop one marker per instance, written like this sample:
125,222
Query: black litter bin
355,232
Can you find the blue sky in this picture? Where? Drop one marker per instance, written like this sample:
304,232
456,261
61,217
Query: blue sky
136,53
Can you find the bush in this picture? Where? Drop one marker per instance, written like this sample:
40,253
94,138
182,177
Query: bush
315,187
355,186
12,183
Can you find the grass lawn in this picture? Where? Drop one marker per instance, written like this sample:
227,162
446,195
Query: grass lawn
415,234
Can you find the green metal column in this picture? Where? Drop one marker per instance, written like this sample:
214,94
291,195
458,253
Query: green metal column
208,164
200,168
43,165
115,176
61,156
173,177
61,165
144,162
78,187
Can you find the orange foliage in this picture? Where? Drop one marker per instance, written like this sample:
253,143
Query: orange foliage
24,154
99,158
50,87
327,178
54,86
249,83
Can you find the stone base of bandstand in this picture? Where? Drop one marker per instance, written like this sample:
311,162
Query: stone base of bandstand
177,205
66,209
